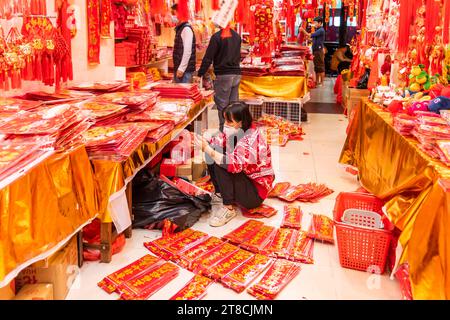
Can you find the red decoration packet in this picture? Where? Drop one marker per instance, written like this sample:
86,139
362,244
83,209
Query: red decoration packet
301,249
195,289
158,246
280,245
275,279
201,265
187,257
291,194
242,276
244,232
279,189
186,243
227,265
292,217
131,271
264,211
142,287
321,228
260,240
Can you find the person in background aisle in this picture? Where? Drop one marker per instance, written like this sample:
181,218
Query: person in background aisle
340,60
183,50
224,51
318,48
239,163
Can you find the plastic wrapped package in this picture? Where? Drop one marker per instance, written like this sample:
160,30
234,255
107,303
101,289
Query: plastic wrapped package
186,243
148,282
292,217
241,277
279,247
159,246
321,228
276,278
111,283
227,265
187,257
195,289
102,86
100,110
279,189
244,232
263,211
309,192
291,194
134,100
159,133
301,248
203,264
260,240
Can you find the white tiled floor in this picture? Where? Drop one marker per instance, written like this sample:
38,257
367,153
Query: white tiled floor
313,160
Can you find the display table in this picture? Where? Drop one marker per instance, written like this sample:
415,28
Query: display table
43,209
114,180
394,169
288,87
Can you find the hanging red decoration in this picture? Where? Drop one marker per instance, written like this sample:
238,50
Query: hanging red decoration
242,12
64,68
215,5
183,10
198,6
432,19
93,24
157,6
105,21
407,12
446,29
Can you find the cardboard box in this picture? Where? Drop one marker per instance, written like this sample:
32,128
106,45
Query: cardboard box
8,292
198,167
184,170
60,271
41,291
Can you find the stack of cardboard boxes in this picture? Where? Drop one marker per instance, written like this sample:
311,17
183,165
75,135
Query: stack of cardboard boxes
49,279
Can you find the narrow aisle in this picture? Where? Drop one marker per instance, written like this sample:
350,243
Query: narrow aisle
315,159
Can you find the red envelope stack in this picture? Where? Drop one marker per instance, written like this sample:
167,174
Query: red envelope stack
179,91
101,87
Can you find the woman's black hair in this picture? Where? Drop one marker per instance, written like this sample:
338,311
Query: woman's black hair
239,112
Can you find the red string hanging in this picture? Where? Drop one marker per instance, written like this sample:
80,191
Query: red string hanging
432,19
157,6
407,11
198,6
446,37
242,12
183,10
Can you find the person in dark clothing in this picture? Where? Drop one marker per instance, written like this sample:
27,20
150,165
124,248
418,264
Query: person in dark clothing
318,38
224,51
184,58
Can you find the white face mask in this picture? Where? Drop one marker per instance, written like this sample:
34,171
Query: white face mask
229,131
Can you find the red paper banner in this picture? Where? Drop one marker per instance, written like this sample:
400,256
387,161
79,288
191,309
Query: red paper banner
93,20
105,21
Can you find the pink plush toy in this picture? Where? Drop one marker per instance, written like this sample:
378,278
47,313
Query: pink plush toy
418,106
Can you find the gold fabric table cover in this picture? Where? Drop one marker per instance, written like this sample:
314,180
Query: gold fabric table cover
287,87
44,207
111,176
393,168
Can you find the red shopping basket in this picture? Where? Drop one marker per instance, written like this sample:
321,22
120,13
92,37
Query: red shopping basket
362,248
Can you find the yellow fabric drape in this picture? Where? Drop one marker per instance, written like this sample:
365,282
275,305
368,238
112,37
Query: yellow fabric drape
393,168
287,87
44,207
111,176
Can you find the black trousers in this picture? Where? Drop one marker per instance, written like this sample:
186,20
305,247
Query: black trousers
235,189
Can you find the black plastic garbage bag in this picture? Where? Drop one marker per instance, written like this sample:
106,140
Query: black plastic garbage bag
364,81
154,201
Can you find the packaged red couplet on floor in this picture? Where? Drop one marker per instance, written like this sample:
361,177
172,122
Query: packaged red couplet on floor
201,265
195,289
188,242
291,194
292,217
241,277
244,232
227,265
302,249
279,189
275,279
146,284
264,211
114,280
280,244
321,228
187,257
159,246
260,240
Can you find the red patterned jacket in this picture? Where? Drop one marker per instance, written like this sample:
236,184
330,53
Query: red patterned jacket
252,156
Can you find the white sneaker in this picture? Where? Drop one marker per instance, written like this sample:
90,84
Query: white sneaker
222,217
216,200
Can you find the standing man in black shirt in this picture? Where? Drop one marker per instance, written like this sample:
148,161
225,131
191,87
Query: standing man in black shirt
318,47
183,50
224,51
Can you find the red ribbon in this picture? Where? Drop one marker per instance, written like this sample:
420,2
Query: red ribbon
93,19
